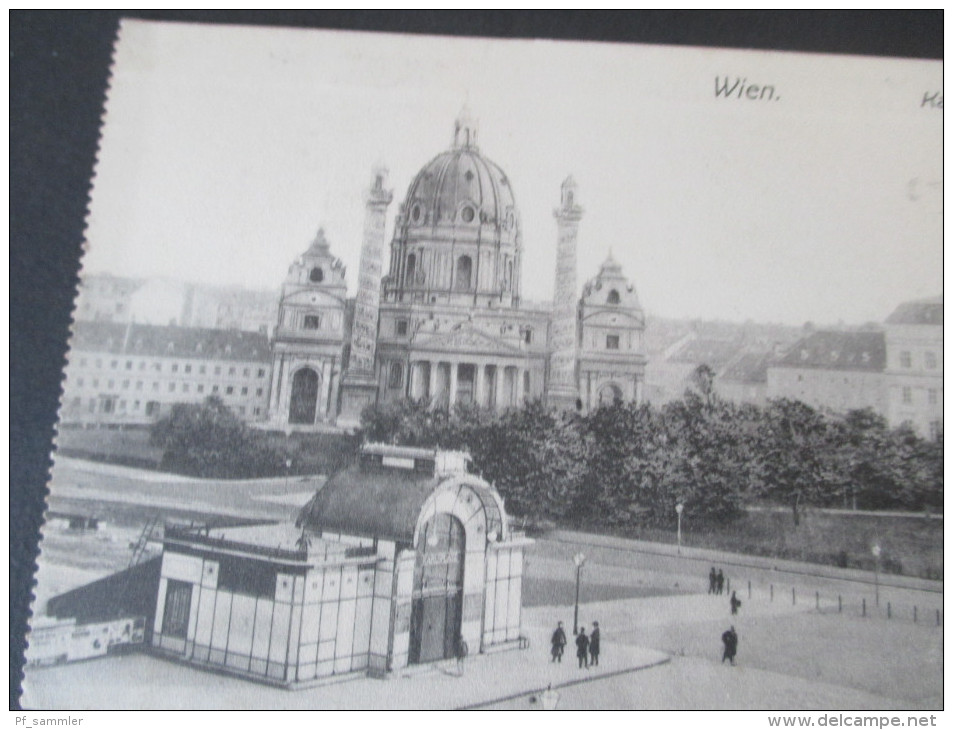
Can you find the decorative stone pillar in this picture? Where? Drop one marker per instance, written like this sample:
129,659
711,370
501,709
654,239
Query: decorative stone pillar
563,389
358,383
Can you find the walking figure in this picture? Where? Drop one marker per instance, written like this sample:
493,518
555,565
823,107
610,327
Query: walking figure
735,603
720,582
730,640
559,643
582,648
594,645
712,580
462,651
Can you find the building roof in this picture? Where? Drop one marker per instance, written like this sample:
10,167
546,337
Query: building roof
168,341
374,499
456,177
382,503
705,351
749,367
923,311
865,351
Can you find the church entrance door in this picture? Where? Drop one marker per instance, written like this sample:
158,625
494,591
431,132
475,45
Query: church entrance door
438,591
304,397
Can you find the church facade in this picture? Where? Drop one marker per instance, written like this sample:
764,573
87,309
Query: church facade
447,322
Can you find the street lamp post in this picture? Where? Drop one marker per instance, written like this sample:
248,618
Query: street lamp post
579,559
876,551
678,510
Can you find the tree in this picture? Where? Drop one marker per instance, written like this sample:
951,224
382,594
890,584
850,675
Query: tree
797,459
712,456
629,473
208,440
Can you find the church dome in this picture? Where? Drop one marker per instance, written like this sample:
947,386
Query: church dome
461,187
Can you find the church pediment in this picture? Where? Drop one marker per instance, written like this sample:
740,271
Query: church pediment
466,338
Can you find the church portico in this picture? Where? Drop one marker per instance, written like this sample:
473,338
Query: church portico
446,379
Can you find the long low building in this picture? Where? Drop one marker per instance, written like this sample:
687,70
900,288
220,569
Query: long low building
132,374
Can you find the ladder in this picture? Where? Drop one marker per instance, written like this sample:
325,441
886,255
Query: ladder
139,548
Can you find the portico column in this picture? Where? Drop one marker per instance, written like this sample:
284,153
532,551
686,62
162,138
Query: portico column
638,390
500,380
453,383
481,385
434,368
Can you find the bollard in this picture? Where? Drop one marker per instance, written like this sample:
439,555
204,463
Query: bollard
914,614
749,589
863,607
817,600
888,609
772,597
793,598
840,605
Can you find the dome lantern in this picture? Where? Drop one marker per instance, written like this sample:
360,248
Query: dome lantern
465,130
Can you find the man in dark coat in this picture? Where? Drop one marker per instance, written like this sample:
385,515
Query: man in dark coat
730,640
721,582
559,643
594,645
712,580
735,603
582,648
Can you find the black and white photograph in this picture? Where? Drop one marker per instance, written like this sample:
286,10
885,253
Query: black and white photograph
423,372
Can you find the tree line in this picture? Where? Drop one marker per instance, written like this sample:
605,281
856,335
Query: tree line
620,465
630,464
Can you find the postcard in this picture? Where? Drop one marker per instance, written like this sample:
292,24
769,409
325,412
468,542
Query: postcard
416,372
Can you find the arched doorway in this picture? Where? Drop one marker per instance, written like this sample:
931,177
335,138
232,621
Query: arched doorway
304,397
438,590
610,395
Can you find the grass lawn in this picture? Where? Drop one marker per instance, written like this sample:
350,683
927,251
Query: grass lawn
911,545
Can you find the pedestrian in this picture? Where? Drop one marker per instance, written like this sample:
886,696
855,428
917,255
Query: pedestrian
712,580
582,648
463,650
720,582
735,603
594,645
730,640
559,643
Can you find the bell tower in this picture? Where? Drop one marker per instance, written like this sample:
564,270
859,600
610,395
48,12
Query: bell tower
308,340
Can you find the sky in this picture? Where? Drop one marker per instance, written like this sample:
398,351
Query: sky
225,148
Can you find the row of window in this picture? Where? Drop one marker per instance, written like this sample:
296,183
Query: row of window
111,404
173,387
178,367
930,361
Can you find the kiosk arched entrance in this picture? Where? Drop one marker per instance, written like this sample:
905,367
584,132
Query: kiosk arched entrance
438,590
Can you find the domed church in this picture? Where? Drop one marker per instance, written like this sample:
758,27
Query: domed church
447,322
